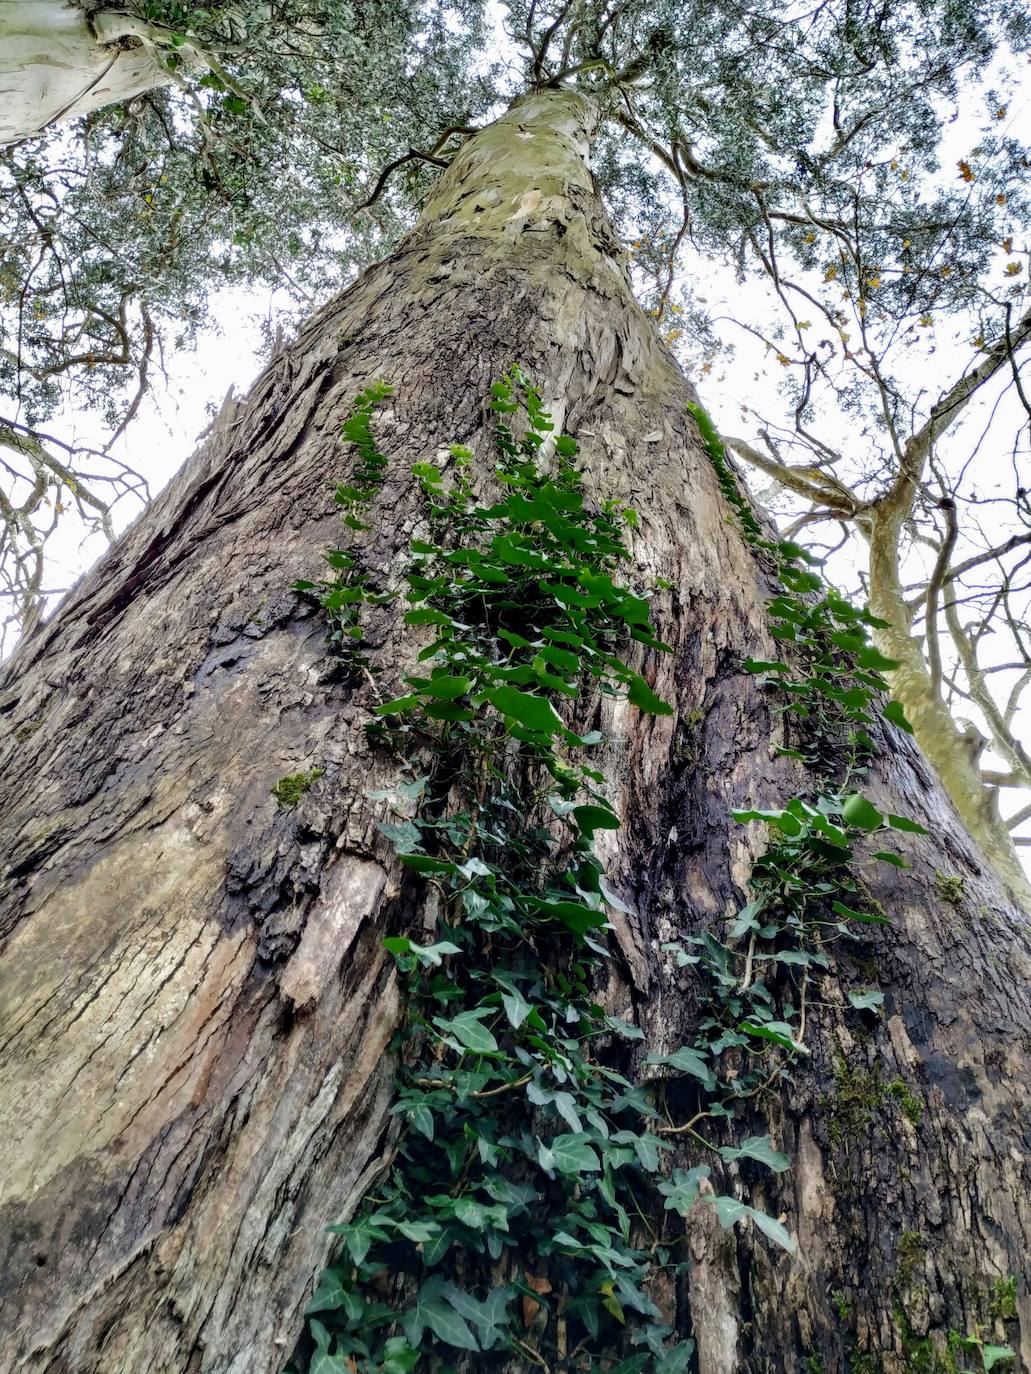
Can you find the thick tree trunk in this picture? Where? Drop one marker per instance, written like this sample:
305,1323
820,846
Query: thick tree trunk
56,62
195,1001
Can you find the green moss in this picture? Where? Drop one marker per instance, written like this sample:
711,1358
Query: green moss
911,1107
813,1364
841,1305
1003,1302
27,730
911,1247
858,1094
949,886
288,791
849,1108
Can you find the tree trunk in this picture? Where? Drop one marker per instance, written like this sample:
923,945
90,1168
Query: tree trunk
56,63
196,1005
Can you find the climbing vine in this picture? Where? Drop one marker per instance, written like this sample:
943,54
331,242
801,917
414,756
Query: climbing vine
530,1205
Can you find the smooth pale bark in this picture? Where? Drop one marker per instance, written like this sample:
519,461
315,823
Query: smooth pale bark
56,62
196,1005
956,756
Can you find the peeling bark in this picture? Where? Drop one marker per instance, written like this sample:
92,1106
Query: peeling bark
196,1007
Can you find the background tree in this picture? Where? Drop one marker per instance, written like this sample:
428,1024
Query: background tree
198,1084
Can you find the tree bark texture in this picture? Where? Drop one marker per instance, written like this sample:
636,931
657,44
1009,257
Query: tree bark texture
196,1006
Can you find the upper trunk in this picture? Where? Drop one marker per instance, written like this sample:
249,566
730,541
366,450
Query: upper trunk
56,63
196,1005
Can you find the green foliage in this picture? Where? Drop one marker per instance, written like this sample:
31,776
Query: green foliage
289,790
342,596
527,1152
529,1156
1004,1298
911,1106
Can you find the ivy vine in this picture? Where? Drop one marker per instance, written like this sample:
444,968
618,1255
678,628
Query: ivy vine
530,1205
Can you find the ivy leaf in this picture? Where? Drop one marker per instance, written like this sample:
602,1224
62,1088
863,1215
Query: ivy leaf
422,1120
399,1357
425,863
468,1031
490,1316
677,1359
777,1031
729,1211
758,1147
568,1154
642,696
398,706
592,818
904,823
867,1001
875,661
534,712
578,916
681,1191
887,857
433,955
517,1008
686,1060
995,1354
859,812
783,820
448,1325
896,714
330,1294
418,1231
869,918
445,687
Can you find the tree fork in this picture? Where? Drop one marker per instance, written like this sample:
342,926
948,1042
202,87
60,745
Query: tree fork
195,1000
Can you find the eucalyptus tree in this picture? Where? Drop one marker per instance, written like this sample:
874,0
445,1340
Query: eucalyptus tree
707,1052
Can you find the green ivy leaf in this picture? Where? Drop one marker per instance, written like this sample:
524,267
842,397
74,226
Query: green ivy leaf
686,1060
568,1154
642,696
904,823
886,856
758,1147
467,1029
867,1001
729,1211
895,712
859,812
592,818
534,712
778,1031
869,918
875,661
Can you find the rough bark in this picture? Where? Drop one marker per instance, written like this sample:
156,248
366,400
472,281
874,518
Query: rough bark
57,62
196,1007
